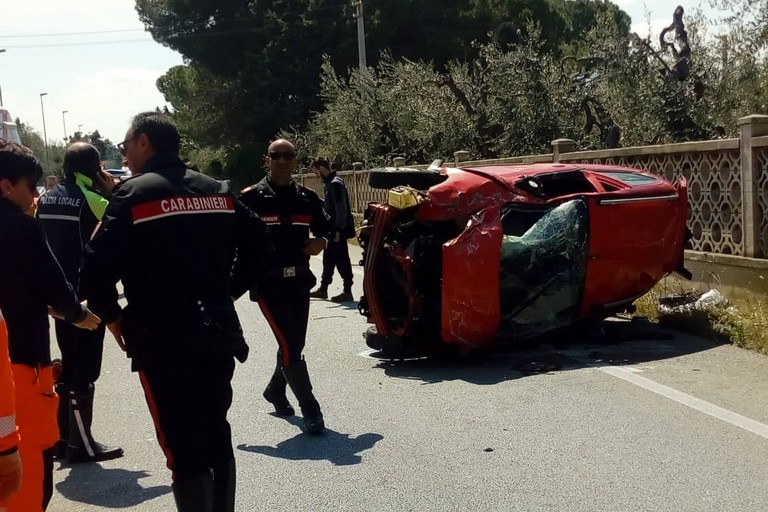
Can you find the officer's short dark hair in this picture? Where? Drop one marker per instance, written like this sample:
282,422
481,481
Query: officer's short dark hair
321,162
159,129
17,161
83,158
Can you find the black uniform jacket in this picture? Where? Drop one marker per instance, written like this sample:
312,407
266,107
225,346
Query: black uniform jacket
171,235
337,206
290,213
30,281
68,223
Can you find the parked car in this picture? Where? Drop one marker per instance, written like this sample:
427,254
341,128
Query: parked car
119,174
476,256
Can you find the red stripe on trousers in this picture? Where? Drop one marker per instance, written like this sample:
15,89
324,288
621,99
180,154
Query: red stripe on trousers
281,339
156,420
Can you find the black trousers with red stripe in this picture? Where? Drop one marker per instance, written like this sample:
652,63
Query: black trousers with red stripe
189,396
286,308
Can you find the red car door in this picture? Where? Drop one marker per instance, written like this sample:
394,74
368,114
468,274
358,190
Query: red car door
470,292
633,243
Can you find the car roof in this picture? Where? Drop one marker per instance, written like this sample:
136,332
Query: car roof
512,173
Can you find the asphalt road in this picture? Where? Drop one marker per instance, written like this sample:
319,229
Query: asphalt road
645,421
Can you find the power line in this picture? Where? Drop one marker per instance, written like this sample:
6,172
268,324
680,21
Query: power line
84,43
122,30
164,37
65,34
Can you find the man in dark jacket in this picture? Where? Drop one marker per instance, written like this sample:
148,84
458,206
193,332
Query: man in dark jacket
336,255
291,212
69,213
31,281
176,233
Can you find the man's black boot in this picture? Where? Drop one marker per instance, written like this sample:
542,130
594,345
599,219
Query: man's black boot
81,446
298,378
194,494
343,297
275,392
62,417
224,480
320,293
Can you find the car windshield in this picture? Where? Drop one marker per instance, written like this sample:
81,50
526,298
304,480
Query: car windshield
543,270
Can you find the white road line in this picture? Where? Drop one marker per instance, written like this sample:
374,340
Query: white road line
631,375
685,399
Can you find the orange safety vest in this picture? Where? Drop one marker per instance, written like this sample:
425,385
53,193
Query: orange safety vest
9,436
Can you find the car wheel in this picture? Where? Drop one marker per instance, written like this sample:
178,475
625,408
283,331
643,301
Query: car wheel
390,178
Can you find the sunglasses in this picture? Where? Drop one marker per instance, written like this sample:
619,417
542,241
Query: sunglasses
285,155
121,146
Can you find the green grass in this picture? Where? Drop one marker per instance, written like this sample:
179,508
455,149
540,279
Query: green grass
743,323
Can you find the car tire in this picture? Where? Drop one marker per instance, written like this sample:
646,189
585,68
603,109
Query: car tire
390,178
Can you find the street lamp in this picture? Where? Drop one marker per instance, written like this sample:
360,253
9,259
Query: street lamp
64,120
45,133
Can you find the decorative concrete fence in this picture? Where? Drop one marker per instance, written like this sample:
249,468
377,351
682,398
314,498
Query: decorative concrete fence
727,183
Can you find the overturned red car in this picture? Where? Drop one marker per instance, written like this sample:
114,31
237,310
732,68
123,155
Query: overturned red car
466,258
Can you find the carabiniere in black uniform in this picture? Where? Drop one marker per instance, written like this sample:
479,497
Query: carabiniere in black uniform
171,236
290,212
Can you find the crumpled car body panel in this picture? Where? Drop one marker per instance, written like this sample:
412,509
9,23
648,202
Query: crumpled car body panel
470,314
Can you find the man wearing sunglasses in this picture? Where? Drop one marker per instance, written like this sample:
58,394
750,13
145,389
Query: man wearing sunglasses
176,234
291,211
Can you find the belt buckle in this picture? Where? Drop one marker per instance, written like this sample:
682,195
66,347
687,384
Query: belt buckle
289,272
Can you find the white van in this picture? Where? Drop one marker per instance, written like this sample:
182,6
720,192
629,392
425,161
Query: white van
8,129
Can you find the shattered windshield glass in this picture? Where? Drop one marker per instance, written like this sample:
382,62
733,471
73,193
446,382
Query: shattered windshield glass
543,270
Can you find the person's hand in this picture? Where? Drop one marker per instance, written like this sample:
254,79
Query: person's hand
104,183
314,246
10,475
116,328
90,322
337,237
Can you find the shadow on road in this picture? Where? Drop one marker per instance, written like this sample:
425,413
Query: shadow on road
619,342
107,488
335,447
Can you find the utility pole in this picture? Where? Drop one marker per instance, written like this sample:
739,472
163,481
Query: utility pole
64,120
45,133
360,34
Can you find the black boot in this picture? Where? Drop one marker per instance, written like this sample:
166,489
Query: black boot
60,449
275,392
194,494
298,378
81,446
343,297
224,479
320,293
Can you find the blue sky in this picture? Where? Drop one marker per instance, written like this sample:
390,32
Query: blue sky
102,79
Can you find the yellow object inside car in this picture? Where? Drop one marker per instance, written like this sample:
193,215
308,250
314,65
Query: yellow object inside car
403,197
